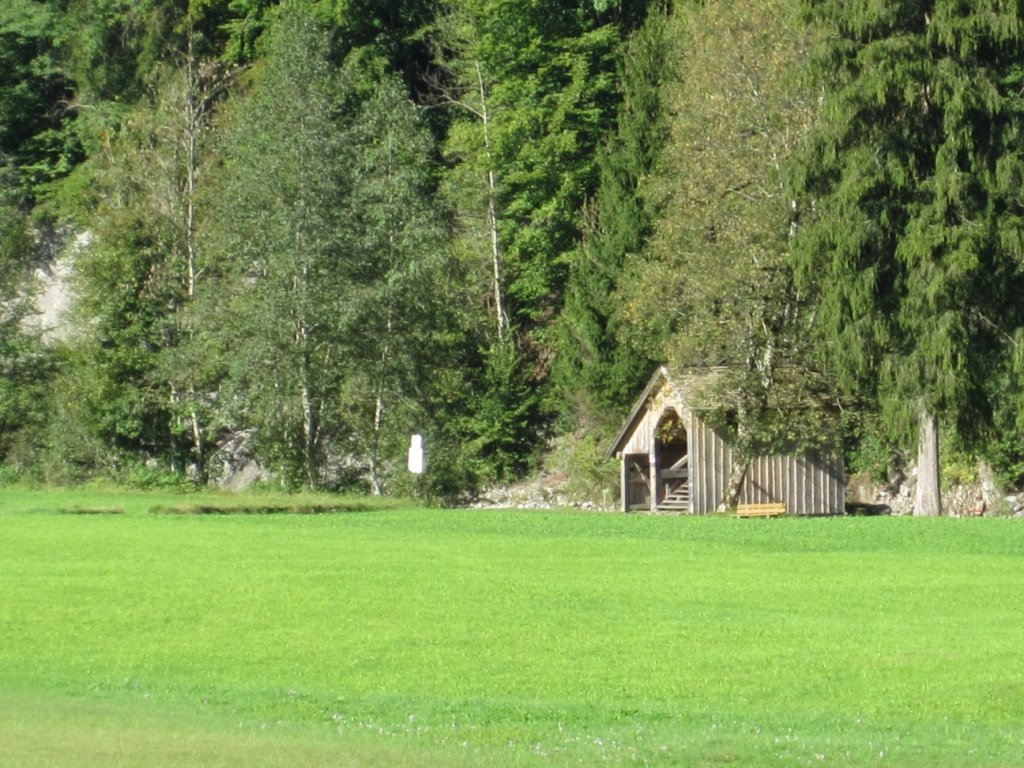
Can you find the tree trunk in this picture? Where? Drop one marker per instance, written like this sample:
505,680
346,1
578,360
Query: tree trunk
376,485
200,92
734,487
198,443
308,430
309,410
927,500
492,210
742,450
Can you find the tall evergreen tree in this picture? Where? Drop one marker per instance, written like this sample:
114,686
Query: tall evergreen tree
913,227
599,367
35,135
532,88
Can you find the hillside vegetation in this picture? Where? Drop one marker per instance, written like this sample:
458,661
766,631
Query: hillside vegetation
298,232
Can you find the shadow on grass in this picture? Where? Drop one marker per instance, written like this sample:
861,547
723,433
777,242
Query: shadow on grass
261,509
857,509
93,511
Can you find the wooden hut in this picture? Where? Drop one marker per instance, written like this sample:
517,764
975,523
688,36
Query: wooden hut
672,461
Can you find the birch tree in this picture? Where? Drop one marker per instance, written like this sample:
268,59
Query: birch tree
276,238
718,289
399,281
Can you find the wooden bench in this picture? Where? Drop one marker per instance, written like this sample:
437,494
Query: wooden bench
774,509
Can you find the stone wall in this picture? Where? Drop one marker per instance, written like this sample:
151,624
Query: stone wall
896,495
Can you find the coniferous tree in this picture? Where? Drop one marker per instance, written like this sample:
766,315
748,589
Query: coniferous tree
532,89
599,367
913,233
35,134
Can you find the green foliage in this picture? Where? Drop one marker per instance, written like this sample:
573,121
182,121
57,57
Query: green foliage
113,47
392,29
34,126
25,367
401,285
866,448
1007,457
599,367
151,477
532,90
545,153
276,241
618,180
543,77
500,419
1003,446
715,289
336,296
590,474
912,236
248,20
122,300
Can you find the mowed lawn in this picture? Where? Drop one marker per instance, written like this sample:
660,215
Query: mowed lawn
378,636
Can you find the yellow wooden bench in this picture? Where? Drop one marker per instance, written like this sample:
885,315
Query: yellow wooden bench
774,509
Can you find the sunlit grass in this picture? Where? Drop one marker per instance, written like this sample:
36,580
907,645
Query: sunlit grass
430,636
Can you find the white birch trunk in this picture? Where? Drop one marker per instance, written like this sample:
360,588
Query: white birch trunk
376,484
492,210
734,487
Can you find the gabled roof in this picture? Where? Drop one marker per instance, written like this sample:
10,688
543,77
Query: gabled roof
657,380
688,382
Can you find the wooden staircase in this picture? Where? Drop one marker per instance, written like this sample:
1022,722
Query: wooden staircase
677,499
677,494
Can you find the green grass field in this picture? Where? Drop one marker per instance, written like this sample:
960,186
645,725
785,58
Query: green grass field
377,636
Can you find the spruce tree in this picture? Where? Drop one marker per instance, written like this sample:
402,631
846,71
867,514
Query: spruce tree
35,135
532,92
599,367
912,234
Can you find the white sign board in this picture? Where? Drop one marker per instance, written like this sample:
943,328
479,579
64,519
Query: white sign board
416,455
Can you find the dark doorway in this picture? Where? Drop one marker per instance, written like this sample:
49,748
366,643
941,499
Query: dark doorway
673,463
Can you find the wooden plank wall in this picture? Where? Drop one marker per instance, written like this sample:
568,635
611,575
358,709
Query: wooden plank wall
709,467
808,485
640,442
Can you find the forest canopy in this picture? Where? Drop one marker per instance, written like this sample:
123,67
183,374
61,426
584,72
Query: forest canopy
298,232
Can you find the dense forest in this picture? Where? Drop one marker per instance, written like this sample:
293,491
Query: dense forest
305,230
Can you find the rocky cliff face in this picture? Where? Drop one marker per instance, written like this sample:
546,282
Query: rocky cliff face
52,291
